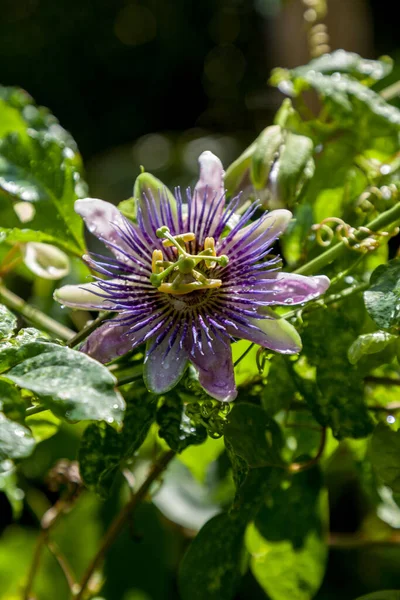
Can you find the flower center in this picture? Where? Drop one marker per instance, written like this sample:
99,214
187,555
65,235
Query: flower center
188,273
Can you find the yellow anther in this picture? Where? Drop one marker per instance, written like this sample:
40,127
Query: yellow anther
184,238
209,244
156,257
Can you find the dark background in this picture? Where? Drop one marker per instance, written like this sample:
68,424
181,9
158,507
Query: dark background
114,71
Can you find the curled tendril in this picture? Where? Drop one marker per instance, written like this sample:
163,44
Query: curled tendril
348,235
378,197
263,355
209,413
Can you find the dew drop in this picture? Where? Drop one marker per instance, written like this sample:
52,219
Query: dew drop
390,419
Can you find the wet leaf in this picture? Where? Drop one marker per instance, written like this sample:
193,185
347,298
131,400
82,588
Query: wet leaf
40,175
70,383
16,441
369,343
336,398
103,448
8,322
253,435
351,63
382,299
175,426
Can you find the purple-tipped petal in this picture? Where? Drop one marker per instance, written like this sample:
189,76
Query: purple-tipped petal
108,342
85,295
290,288
164,366
274,333
105,221
214,364
210,186
269,228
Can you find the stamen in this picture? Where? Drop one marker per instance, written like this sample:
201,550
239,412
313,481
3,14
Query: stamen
185,265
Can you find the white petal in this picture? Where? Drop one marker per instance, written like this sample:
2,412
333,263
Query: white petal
82,296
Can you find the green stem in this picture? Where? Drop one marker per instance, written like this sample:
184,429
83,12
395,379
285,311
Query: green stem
34,315
83,334
385,220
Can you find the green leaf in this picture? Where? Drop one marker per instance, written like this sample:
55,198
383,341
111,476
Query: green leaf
287,540
369,343
346,98
11,402
70,383
295,166
384,452
16,441
43,425
9,486
103,448
351,63
280,389
8,322
40,175
215,562
99,455
253,435
12,350
336,398
39,170
382,299
175,426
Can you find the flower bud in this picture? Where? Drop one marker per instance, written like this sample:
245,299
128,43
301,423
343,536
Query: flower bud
45,260
148,186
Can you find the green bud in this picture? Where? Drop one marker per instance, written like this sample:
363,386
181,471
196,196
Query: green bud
267,148
238,171
295,167
147,184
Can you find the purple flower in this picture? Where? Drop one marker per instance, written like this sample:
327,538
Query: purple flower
187,279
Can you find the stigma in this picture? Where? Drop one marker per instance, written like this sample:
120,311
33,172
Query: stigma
189,272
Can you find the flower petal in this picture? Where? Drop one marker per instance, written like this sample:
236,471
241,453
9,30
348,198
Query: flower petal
164,366
271,225
85,295
104,221
214,364
210,186
274,333
108,342
290,288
